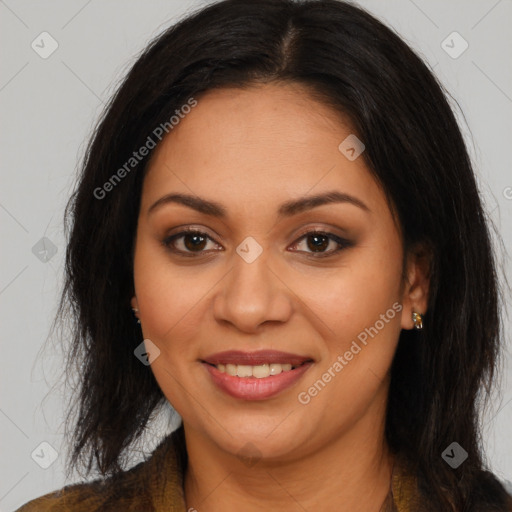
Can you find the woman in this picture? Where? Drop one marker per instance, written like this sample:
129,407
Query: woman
280,192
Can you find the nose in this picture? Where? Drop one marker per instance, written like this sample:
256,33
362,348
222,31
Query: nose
252,294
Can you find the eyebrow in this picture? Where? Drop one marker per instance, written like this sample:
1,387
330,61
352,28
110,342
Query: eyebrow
287,209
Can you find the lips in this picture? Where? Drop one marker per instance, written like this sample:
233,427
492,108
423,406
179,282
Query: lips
289,369
256,358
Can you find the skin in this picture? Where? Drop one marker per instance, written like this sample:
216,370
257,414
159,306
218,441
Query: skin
251,150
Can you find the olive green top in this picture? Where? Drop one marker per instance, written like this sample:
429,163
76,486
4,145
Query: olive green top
156,485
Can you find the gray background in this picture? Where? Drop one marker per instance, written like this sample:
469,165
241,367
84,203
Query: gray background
48,108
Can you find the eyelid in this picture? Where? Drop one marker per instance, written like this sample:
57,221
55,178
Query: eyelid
321,229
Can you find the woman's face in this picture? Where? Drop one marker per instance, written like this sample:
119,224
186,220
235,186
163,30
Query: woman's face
253,279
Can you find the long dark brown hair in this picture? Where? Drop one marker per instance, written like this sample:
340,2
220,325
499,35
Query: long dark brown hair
414,149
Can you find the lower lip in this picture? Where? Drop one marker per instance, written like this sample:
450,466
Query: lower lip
251,388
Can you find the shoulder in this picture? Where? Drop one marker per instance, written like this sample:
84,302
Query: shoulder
144,487
485,493
123,491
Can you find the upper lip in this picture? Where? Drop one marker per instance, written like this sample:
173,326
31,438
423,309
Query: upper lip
256,358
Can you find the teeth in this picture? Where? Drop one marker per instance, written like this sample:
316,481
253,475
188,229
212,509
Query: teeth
260,371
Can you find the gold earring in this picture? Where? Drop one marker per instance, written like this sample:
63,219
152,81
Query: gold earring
418,320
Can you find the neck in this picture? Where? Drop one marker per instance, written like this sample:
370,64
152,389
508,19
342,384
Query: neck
350,473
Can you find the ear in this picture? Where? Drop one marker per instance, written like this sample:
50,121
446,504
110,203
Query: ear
417,285
135,305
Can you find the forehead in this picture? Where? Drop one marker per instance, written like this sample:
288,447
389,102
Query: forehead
255,145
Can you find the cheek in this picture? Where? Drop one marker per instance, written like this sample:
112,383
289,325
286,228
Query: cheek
169,297
357,354
352,297
358,309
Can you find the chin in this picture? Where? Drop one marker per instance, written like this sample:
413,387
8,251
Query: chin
267,439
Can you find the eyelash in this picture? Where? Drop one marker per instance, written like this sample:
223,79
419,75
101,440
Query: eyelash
343,244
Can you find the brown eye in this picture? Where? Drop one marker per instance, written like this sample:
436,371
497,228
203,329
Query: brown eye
318,241
187,242
194,241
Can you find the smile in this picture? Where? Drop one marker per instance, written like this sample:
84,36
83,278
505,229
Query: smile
255,375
